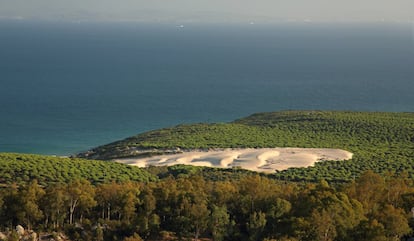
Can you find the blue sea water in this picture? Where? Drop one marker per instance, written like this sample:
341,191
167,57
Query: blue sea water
67,87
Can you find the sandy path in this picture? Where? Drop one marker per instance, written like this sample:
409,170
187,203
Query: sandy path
261,160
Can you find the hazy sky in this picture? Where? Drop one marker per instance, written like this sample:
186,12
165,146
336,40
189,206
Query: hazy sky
212,10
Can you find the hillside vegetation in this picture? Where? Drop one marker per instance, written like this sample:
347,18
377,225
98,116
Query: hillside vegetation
91,200
380,141
21,168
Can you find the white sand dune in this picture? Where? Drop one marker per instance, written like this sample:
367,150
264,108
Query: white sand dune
261,160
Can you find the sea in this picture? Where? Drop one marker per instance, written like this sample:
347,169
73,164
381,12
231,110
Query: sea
66,87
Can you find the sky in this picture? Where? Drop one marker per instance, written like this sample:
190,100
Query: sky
211,10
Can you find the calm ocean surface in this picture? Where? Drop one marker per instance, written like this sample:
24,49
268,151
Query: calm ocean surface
65,88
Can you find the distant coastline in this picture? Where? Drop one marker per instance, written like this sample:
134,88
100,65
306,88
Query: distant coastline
314,143
69,87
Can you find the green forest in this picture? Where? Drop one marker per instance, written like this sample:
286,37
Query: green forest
367,198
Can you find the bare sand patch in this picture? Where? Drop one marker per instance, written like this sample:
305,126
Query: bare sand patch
260,160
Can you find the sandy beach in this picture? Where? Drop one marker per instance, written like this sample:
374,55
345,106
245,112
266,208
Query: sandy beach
260,160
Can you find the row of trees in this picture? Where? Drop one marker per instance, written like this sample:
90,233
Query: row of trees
252,208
